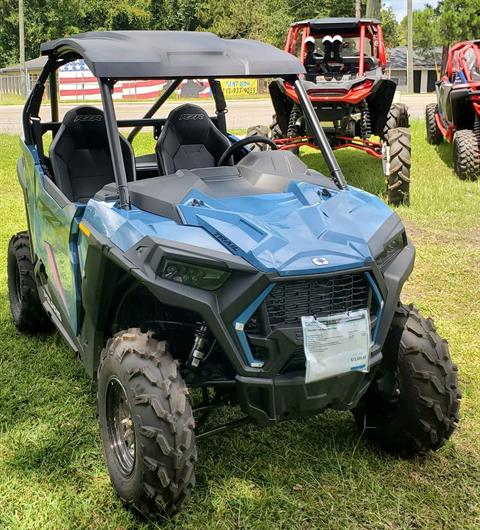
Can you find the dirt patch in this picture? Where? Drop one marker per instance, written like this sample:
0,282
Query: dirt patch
466,238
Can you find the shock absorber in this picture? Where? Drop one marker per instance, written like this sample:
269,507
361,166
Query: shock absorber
200,343
476,128
365,123
295,115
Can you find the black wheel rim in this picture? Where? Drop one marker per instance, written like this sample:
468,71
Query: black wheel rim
121,431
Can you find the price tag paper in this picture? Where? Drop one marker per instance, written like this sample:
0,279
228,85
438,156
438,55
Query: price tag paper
336,344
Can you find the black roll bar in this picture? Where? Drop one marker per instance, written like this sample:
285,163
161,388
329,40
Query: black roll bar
151,111
53,94
114,142
320,136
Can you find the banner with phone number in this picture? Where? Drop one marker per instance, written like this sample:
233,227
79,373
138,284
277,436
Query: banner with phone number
239,87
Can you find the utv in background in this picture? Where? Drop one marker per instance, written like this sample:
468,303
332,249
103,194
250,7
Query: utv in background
456,115
345,60
201,275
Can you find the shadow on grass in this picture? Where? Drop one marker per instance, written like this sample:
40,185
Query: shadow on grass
51,433
445,152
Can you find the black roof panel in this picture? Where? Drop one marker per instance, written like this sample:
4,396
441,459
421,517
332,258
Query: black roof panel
335,23
172,54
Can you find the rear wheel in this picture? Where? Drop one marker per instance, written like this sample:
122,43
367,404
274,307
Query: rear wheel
27,311
276,134
466,155
413,405
434,135
259,130
397,162
397,117
146,424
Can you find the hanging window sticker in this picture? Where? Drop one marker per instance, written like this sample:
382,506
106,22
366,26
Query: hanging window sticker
336,344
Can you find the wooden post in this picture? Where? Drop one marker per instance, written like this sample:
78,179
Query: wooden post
21,43
409,47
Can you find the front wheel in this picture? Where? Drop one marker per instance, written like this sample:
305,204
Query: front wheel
398,116
466,155
146,424
397,161
413,404
434,134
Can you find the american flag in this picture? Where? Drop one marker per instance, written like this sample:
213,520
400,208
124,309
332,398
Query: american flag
76,82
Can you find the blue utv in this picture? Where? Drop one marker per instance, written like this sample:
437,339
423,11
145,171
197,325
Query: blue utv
209,273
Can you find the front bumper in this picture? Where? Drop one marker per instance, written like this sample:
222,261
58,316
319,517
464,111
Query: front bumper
266,391
284,397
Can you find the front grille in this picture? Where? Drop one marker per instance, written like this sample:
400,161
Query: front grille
290,300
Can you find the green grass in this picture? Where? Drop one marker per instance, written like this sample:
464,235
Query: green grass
310,474
11,99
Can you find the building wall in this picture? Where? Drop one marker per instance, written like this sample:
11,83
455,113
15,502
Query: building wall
400,77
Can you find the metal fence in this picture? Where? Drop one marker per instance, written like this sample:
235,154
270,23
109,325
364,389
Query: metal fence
12,83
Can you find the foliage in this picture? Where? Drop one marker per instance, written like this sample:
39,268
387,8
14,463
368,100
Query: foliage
459,20
451,21
426,29
390,27
266,20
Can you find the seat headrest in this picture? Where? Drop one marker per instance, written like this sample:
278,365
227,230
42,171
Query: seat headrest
87,126
190,121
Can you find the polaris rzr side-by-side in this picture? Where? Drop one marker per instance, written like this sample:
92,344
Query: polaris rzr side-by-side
345,60
206,274
456,115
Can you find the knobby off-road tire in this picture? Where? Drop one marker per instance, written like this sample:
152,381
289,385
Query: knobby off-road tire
397,117
158,419
434,135
259,130
466,155
276,134
27,311
398,179
425,410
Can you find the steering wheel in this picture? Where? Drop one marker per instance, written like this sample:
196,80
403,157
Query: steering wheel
256,139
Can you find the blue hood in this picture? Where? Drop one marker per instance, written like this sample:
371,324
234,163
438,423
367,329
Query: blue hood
284,232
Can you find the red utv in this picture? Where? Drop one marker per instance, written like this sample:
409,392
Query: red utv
456,115
345,60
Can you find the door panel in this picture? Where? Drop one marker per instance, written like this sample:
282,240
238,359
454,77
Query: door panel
54,231
444,105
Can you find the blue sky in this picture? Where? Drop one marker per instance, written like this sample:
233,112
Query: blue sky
400,6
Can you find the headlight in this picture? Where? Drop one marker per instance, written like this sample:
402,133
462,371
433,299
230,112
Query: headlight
208,278
391,250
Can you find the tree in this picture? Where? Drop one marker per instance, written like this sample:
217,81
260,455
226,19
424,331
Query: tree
459,20
390,27
426,29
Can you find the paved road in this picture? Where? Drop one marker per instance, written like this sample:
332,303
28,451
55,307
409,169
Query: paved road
242,113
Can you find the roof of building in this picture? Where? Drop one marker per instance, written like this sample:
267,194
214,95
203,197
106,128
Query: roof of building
422,59
173,54
33,64
335,23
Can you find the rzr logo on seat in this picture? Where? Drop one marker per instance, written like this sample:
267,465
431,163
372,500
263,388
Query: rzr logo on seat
88,117
191,117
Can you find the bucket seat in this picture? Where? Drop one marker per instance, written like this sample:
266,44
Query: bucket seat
189,140
80,154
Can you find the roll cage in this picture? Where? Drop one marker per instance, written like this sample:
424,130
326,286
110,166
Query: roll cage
456,61
63,51
369,29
